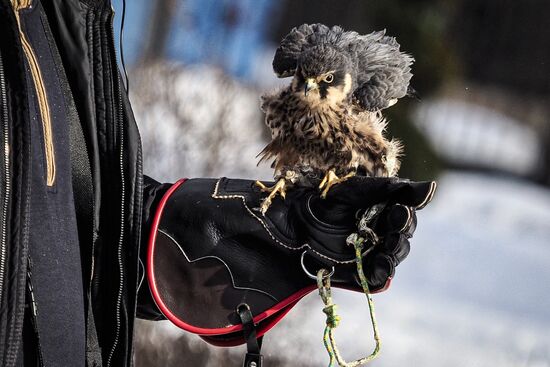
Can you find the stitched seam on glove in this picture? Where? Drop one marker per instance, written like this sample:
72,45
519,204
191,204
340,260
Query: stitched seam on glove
189,260
215,195
429,196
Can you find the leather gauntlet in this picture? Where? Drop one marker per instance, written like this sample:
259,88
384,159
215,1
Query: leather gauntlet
211,249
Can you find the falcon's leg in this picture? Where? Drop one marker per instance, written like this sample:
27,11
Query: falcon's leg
278,188
330,180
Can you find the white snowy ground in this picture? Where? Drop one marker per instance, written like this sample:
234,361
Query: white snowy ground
470,134
475,290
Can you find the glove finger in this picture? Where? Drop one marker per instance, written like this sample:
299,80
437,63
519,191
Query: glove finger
415,194
378,268
380,264
363,192
396,218
396,246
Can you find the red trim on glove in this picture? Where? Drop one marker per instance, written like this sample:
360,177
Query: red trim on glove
151,250
385,287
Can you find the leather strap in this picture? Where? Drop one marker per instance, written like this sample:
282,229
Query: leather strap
253,357
81,174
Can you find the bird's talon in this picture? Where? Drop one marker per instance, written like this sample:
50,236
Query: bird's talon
265,205
278,188
262,187
330,180
323,182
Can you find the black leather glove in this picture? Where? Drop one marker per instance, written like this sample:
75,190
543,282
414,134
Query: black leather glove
212,249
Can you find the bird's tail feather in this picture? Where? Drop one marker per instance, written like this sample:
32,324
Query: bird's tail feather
269,152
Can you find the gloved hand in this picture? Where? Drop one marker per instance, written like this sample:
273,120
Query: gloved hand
211,248
325,223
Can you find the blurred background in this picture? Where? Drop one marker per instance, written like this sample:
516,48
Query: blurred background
475,290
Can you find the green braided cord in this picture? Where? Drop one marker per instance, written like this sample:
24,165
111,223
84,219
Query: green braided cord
333,319
328,346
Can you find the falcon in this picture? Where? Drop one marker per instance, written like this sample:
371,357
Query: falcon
327,124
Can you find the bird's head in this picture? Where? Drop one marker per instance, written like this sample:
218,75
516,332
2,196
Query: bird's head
324,74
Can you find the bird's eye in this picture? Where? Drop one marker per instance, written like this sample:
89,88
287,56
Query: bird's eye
329,78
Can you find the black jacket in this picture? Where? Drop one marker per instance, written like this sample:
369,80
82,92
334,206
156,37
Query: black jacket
106,173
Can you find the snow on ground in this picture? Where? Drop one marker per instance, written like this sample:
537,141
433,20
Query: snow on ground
474,135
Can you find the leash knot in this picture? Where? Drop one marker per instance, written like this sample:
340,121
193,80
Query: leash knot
333,320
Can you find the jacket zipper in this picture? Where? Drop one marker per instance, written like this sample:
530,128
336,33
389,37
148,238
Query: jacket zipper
7,183
34,311
40,93
120,117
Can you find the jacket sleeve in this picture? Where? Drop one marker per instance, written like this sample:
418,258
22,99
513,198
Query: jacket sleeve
152,194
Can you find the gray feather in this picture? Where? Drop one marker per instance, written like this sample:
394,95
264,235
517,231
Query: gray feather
297,41
382,71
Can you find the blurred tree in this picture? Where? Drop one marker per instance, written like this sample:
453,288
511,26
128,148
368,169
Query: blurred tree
159,24
504,43
421,28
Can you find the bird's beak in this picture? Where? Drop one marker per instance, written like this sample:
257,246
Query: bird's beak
309,85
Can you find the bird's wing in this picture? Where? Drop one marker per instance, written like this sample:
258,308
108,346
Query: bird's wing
383,71
298,40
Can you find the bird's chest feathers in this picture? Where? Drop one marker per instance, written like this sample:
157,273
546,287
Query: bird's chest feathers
320,121
300,121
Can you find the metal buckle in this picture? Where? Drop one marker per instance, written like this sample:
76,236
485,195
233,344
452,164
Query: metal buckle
311,275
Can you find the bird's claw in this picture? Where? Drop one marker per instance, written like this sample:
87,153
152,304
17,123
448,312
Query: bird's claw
330,180
278,188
